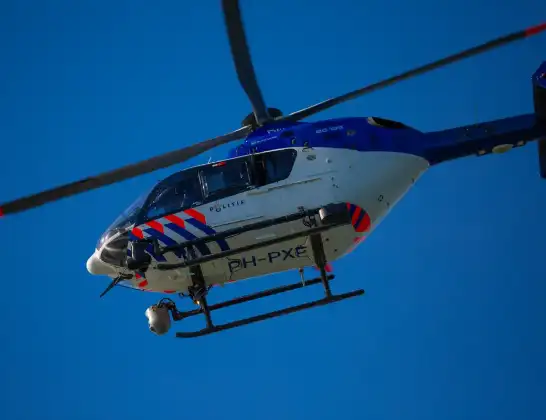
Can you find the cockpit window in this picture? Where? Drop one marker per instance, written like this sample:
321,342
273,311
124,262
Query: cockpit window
179,191
279,164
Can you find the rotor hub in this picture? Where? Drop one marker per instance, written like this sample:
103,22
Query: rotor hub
250,119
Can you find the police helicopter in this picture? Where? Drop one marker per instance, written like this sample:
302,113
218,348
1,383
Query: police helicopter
292,195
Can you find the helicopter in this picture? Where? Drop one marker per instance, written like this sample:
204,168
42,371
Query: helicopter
291,195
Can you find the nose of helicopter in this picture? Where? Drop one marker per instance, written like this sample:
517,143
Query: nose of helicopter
97,267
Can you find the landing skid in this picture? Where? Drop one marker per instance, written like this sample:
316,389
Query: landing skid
199,295
211,328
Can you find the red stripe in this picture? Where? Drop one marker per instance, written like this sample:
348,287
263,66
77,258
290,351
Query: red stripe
169,291
138,233
137,275
143,283
173,218
535,29
155,225
356,215
1,212
364,224
196,215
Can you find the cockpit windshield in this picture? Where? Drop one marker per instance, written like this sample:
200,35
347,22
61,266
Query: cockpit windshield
125,219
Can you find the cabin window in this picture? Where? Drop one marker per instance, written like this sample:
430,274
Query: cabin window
274,166
179,191
225,178
279,164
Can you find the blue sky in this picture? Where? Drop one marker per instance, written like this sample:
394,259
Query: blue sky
453,323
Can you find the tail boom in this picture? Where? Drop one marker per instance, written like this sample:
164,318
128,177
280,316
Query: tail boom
496,136
484,138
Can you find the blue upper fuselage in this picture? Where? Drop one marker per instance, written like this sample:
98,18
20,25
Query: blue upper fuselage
374,134
362,134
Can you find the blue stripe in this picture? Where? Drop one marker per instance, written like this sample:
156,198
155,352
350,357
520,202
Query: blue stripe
150,250
203,248
209,231
360,218
165,239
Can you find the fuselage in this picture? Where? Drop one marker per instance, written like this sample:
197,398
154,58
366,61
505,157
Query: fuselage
366,163
308,175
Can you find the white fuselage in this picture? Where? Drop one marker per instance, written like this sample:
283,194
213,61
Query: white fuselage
374,181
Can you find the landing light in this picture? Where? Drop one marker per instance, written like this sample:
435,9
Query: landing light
502,148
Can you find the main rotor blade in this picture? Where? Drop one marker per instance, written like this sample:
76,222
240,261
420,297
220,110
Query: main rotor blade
121,174
329,103
241,57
